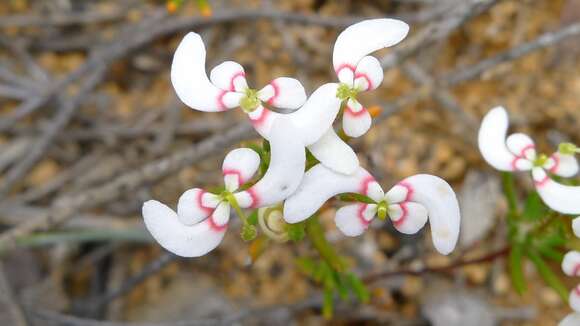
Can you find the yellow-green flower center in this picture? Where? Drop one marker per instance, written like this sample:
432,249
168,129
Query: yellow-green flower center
541,160
382,209
250,101
345,92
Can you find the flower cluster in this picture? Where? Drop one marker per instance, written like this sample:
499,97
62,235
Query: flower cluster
299,123
517,152
571,267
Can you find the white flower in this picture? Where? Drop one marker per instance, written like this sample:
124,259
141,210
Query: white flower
357,72
202,217
409,204
518,153
572,319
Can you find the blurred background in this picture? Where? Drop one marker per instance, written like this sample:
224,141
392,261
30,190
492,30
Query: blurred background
90,128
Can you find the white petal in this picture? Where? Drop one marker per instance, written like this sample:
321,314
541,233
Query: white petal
576,226
283,92
356,120
263,119
190,80
409,217
559,197
183,240
368,74
438,198
571,320
354,219
492,140
521,145
286,169
316,115
229,76
571,263
334,153
195,205
221,215
318,185
363,38
239,166
398,194
574,299
563,165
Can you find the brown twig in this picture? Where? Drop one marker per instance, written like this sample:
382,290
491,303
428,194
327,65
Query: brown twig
437,269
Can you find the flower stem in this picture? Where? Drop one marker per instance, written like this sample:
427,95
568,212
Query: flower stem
510,194
232,200
315,233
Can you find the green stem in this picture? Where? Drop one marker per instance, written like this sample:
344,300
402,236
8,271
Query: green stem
315,233
510,194
232,200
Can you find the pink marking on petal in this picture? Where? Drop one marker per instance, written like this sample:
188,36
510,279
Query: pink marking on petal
233,79
260,119
577,290
554,168
366,77
410,190
220,100
514,163
542,182
199,200
343,66
576,271
276,92
348,110
361,216
364,188
525,149
237,173
255,198
214,226
403,217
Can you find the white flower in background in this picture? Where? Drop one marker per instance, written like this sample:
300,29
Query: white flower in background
357,72
517,152
409,204
571,267
202,217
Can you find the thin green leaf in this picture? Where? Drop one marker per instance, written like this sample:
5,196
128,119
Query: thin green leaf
534,208
328,303
549,276
516,268
358,287
306,266
354,197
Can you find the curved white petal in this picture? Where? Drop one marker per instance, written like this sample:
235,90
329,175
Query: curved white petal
318,185
239,167
559,197
574,299
363,38
352,220
286,169
368,74
521,145
334,153
263,119
437,196
195,205
576,226
572,319
190,80
571,263
562,164
283,92
409,217
183,240
356,120
316,115
221,215
229,76
492,140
